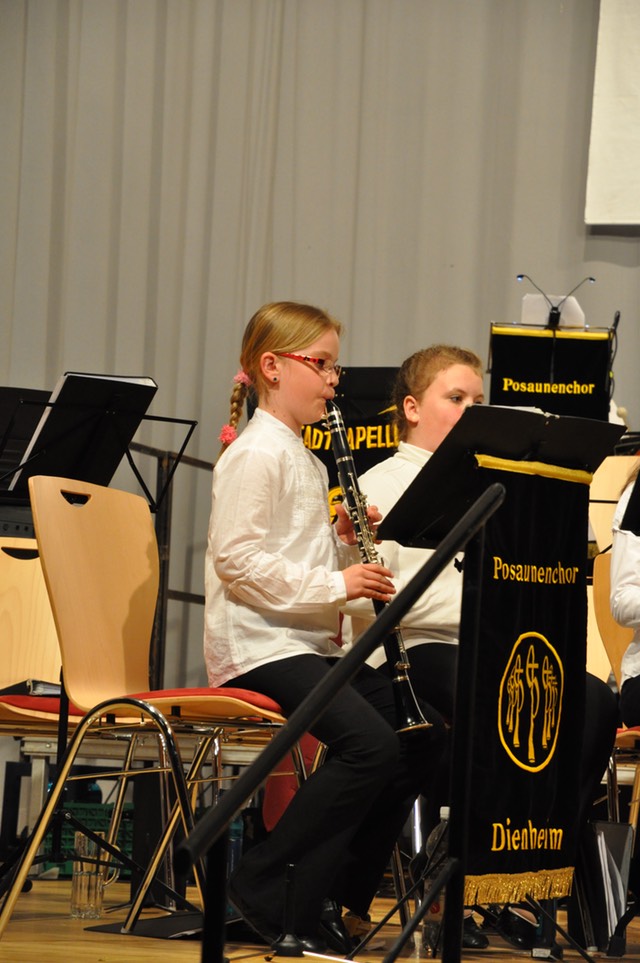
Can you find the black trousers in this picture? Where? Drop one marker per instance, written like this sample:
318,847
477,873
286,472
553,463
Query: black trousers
433,676
630,702
341,826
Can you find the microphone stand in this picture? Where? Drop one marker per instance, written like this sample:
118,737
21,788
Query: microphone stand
553,321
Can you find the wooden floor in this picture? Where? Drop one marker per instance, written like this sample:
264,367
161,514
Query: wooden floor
41,931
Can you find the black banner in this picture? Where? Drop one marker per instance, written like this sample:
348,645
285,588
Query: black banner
363,398
530,690
563,372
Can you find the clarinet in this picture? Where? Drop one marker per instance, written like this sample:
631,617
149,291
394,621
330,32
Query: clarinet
409,714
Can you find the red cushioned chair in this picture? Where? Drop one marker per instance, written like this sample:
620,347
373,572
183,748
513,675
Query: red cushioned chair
30,651
99,556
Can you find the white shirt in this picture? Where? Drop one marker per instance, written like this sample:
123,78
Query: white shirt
435,617
625,586
273,588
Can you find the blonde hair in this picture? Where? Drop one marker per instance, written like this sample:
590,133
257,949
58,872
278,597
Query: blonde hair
277,327
419,371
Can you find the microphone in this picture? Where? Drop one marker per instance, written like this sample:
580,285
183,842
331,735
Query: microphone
554,309
616,322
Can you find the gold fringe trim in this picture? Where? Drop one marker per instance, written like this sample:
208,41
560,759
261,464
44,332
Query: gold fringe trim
515,887
535,468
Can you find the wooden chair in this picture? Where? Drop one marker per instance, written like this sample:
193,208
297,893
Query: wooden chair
100,561
28,638
616,638
604,491
30,651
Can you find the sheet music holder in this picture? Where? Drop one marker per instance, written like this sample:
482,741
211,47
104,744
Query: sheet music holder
20,412
451,480
564,370
535,310
85,428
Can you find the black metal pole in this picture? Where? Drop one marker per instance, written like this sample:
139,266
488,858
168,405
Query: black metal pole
462,746
215,900
213,823
163,537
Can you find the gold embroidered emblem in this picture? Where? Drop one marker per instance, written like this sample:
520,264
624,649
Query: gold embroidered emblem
530,702
335,496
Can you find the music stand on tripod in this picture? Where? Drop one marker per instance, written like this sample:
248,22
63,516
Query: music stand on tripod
545,463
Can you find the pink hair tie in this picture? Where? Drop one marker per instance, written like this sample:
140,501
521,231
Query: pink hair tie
228,434
242,378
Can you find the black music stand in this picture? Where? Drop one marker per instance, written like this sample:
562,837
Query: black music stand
20,412
562,369
449,482
82,430
85,428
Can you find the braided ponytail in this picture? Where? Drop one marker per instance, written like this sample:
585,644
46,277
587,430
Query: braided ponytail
241,384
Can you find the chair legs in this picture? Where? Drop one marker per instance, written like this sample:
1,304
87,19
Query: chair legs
613,800
170,827
634,805
118,809
613,791
399,884
130,707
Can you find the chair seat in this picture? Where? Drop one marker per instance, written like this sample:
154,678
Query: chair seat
38,707
628,738
213,703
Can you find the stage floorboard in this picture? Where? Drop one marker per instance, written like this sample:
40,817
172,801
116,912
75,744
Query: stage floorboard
41,931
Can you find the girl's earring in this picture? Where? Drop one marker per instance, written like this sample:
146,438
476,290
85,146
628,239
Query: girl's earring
275,378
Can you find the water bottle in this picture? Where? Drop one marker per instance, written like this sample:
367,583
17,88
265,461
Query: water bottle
234,854
436,848
234,851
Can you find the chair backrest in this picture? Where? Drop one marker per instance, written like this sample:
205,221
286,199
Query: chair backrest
99,556
604,492
28,638
615,637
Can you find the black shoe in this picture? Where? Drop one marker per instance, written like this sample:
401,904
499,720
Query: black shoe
312,944
268,932
472,936
490,915
516,930
333,930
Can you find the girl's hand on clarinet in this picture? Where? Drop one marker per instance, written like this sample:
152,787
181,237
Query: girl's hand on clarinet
374,517
369,580
344,525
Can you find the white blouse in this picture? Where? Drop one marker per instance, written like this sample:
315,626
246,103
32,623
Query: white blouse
273,585
625,585
435,617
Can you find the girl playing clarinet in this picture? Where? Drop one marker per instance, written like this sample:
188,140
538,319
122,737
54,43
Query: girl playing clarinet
276,575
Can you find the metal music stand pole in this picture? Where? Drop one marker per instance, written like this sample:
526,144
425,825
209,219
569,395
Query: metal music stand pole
462,745
451,875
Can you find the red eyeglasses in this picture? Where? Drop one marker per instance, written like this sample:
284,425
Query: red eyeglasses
324,367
